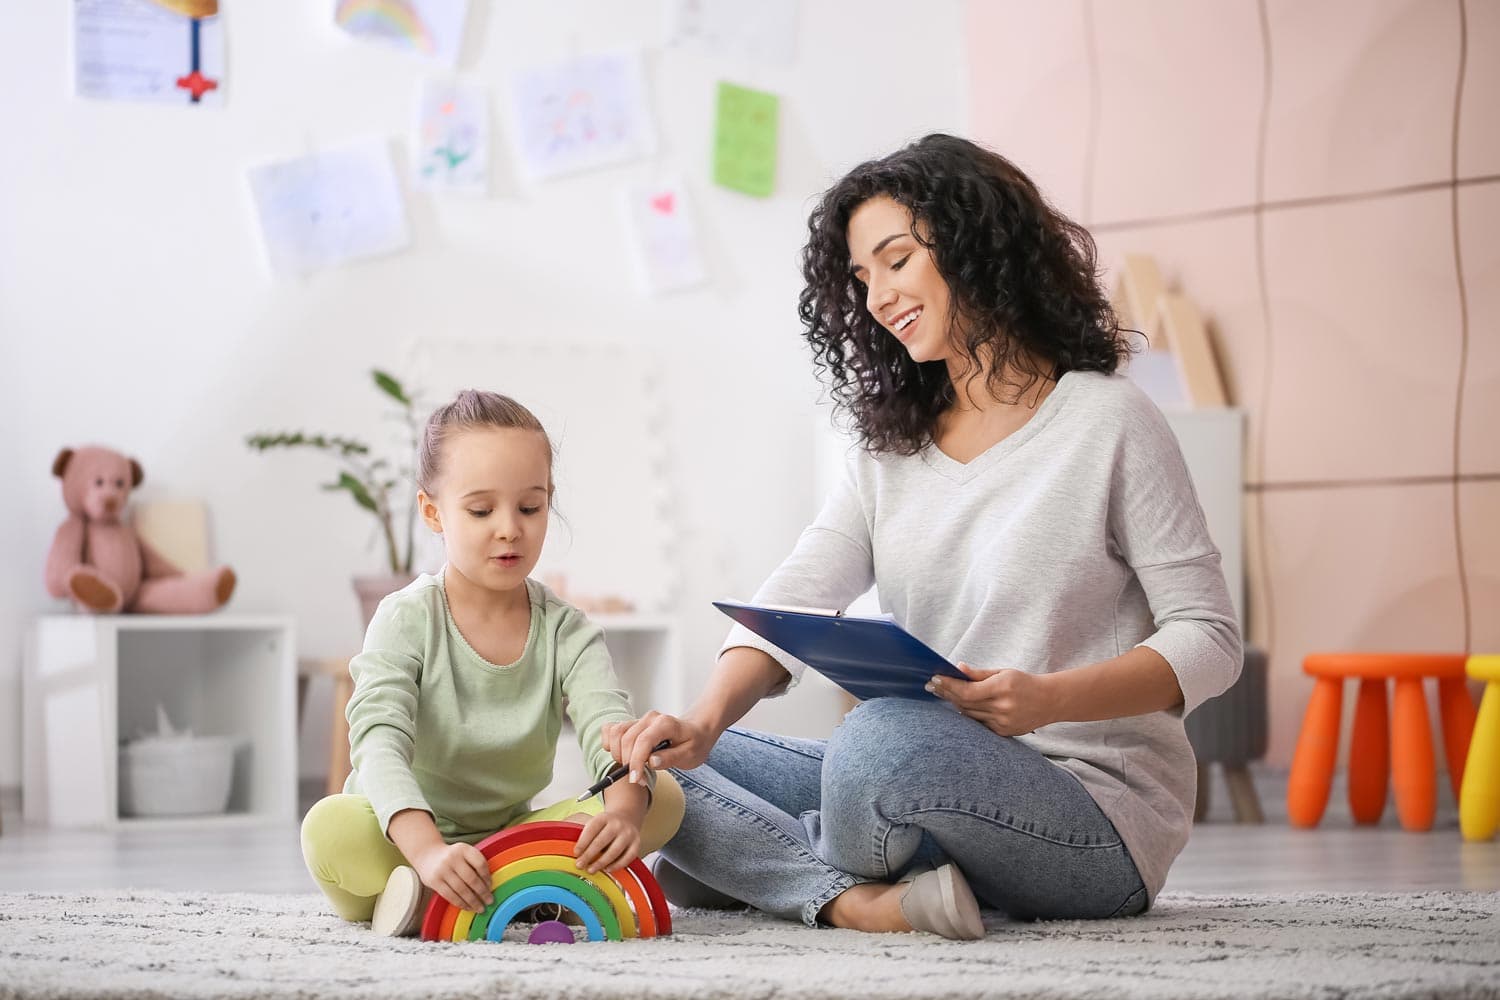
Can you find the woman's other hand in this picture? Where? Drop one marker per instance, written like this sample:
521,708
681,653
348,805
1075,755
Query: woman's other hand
631,743
1007,702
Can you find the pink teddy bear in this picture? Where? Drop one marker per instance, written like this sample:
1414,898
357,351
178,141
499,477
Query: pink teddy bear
98,560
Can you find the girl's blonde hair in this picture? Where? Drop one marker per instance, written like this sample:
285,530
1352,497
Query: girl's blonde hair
472,409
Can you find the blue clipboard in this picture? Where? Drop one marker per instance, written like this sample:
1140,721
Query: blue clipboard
868,657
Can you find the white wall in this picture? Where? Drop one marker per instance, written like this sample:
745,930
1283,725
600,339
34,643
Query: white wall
136,311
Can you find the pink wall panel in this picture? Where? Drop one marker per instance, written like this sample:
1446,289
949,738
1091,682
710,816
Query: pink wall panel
1478,138
1029,91
1179,102
1479,233
1362,95
1479,504
1213,262
1365,338
1352,376
1259,609
1367,568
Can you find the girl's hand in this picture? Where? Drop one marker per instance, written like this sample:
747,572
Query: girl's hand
457,872
609,841
1008,702
631,743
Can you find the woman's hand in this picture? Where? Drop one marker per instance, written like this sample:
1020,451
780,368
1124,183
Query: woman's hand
609,841
631,743
457,872
1008,702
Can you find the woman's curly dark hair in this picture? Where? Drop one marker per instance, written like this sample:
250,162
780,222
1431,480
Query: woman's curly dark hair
1022,281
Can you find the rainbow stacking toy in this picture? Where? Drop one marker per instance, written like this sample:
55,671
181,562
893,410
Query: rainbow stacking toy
533,863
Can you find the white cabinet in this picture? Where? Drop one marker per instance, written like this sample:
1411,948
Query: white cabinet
92,682
644,651
1213,446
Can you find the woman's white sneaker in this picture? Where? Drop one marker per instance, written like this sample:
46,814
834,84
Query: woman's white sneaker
941,902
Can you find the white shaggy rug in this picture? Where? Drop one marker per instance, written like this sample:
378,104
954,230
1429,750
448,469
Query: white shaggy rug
155,944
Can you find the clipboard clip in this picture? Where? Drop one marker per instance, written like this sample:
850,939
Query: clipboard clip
825,612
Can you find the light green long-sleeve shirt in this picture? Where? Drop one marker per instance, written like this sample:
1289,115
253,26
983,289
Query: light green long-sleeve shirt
435,726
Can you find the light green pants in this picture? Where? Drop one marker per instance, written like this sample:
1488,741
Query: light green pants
348,856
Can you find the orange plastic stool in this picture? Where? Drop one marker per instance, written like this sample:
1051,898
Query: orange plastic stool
1381,748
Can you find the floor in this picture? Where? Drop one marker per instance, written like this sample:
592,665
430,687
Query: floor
1221,856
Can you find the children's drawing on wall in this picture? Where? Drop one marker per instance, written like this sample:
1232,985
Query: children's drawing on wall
168,51
452,144
586,112
666,242
765,31
745,140
433,29
327,208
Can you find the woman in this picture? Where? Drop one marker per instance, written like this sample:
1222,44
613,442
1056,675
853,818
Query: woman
1021,508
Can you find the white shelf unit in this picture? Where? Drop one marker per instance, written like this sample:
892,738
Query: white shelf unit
91,682
646,659
644,650
1213,445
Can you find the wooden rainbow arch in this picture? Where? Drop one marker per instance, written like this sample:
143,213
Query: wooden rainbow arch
533,863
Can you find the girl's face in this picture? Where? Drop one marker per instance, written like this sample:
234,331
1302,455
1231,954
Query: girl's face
904,291
491,504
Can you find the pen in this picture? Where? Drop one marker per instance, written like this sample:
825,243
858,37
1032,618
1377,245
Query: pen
616,774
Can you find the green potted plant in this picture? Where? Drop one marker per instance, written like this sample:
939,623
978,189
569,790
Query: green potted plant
377,485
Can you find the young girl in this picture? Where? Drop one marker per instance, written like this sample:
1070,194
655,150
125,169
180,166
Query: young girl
460,691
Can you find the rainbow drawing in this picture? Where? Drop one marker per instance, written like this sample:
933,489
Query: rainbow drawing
391,20
533,863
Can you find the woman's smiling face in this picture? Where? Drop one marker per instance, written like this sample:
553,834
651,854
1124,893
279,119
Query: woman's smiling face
903,289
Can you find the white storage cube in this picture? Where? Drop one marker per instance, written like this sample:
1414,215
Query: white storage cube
92,683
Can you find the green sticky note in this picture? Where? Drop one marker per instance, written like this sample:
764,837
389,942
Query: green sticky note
745,140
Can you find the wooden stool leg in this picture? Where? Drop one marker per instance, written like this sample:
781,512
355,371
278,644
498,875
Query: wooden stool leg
1317,750
1205,778
1479,803
1200,805
1412,765
1369,753
1457,710
1242,794
338,740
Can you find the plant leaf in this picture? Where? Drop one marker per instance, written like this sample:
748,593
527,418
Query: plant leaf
391,387
297,439
356,489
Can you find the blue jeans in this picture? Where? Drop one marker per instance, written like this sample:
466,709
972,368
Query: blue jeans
788,824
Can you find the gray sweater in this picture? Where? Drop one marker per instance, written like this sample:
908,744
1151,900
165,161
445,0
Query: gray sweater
1073,540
